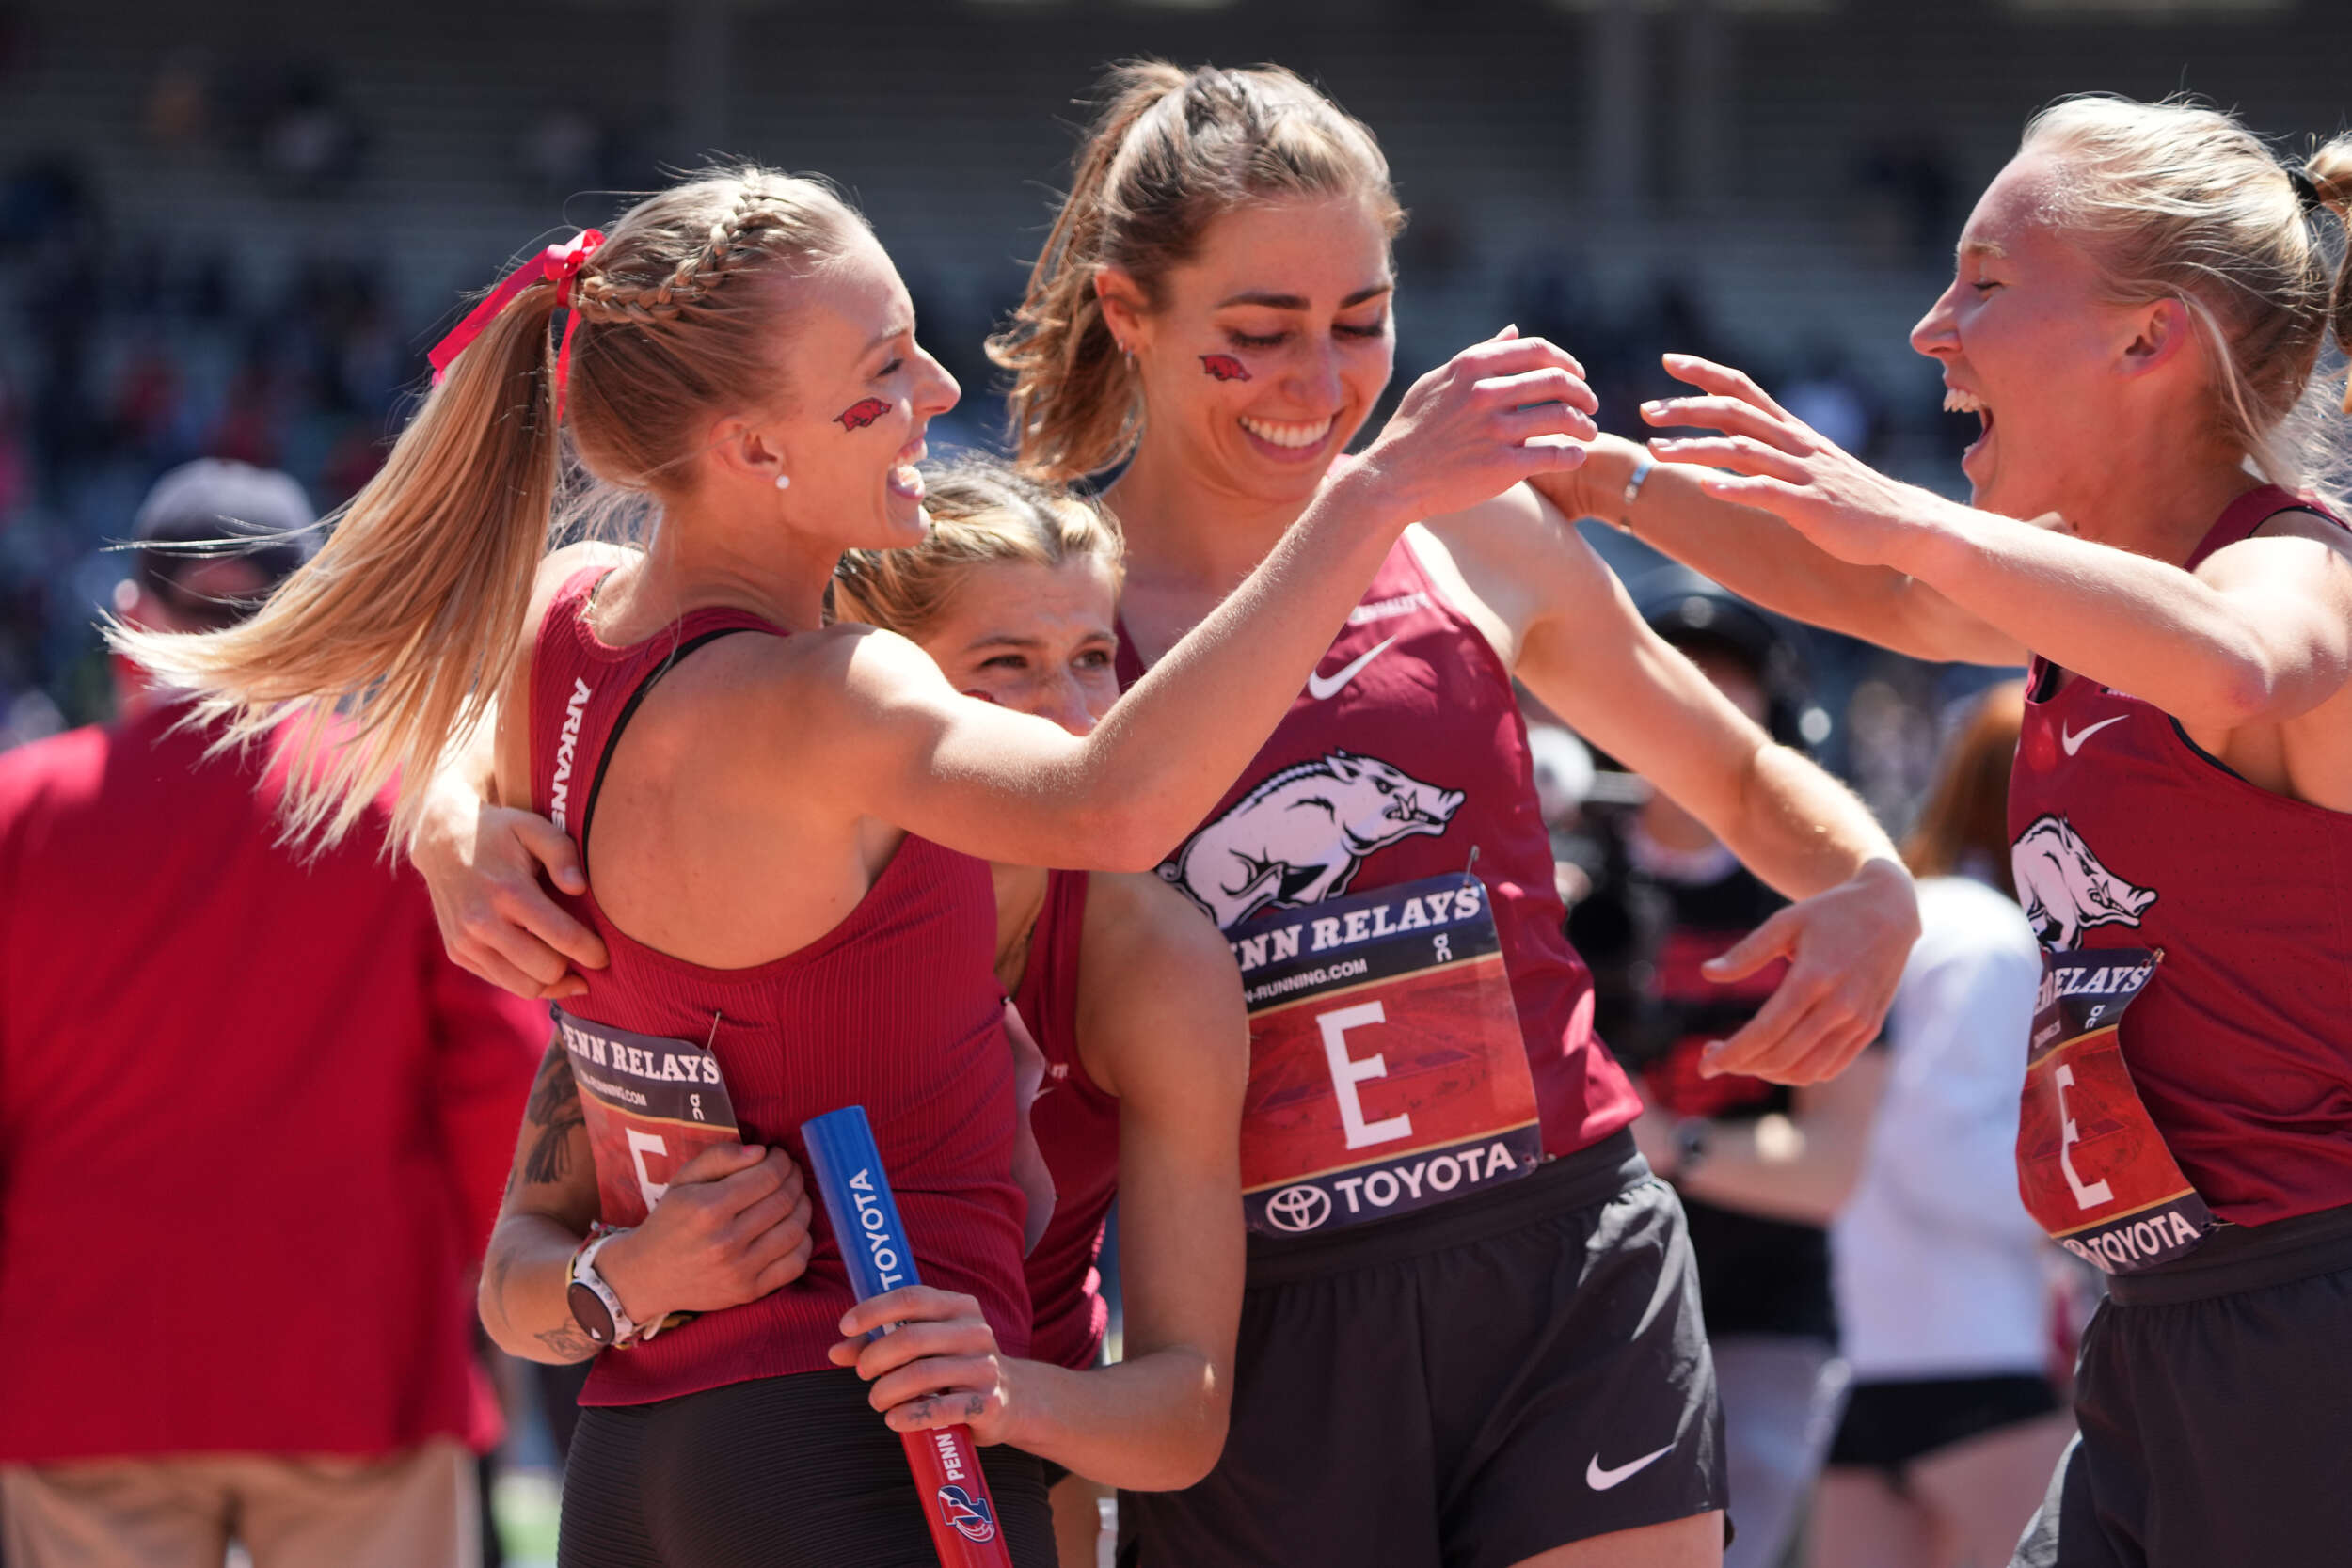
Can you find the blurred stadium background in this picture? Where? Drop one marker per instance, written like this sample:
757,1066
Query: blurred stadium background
233,228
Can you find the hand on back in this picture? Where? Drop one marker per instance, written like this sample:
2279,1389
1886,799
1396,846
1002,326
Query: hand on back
483,866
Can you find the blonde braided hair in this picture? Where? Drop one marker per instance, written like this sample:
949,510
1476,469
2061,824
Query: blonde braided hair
411,617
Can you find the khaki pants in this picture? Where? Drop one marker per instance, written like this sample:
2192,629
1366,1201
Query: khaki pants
417,1510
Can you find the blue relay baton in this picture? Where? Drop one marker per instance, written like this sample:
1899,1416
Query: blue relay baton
874,1247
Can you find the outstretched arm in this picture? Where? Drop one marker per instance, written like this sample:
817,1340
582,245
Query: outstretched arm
1758,557
1582,648
2261,631
903,746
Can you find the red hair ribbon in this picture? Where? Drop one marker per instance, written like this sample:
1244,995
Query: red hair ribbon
560,262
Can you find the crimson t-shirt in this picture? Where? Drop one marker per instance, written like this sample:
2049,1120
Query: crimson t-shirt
253,1124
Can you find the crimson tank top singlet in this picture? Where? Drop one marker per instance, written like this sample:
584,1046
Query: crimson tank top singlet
897,1008
2124,835
1077,1126
1402,765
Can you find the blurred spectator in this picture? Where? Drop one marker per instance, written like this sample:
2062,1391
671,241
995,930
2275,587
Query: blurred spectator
1913,173
179,108
256,1128
1952,1427
311,143
1761,1168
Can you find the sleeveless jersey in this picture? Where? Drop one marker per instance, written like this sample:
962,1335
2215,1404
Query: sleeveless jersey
1406,758
897,1008
1077,1126
2126,835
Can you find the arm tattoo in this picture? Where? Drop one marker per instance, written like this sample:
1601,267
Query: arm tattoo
568,1342
554,1112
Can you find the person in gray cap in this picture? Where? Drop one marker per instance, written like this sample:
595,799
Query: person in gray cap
214,537
255,1128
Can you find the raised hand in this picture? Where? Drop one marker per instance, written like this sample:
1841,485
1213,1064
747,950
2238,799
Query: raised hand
1493,415
1783,466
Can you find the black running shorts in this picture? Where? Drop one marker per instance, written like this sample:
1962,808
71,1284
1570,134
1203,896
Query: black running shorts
780,1472
1889,1425
1469,1385
2214,1399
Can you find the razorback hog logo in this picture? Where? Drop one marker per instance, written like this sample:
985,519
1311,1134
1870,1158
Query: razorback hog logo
1298,837
2064,887
969,1514
862,413
1224,367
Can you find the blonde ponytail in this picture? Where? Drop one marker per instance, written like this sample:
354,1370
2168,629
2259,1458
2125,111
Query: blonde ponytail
410,614
385,650
1171,151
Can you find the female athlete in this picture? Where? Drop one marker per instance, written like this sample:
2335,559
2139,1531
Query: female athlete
1470,1332
2142,299
791,808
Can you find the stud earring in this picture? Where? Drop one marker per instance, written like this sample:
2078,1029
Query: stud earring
784,481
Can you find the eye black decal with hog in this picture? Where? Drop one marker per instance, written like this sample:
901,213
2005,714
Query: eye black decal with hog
2064,887
1298,837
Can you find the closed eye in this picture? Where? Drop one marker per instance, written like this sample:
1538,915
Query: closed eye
1248,339
1376,329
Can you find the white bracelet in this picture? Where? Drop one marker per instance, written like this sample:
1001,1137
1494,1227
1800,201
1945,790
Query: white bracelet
1632,489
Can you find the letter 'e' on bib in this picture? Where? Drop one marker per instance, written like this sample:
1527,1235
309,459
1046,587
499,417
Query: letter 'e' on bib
2091,1167
1387,1071
651,1104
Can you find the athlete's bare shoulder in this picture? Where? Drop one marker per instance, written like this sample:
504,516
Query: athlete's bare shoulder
1509,562
1150,959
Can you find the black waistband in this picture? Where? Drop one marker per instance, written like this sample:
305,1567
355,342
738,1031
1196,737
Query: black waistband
1560,1186
2245,1258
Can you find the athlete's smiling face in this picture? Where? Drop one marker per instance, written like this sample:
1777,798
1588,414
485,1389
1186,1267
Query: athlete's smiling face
2029,343
860,391
1263,353
1037,639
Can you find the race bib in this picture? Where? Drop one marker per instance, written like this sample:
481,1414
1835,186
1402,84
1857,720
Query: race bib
651,1104
1387,1073
2092,1168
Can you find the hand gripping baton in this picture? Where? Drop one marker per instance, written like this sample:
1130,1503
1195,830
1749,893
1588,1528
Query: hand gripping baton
873,1241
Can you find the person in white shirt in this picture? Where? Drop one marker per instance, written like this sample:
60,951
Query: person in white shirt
1941,1276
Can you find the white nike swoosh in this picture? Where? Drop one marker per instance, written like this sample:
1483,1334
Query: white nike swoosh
2074,742
1324,688
1601,1480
